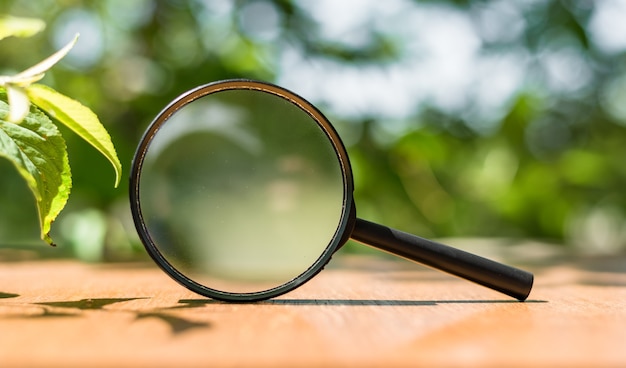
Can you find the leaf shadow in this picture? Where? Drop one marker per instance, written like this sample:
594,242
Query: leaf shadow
88,304
177,325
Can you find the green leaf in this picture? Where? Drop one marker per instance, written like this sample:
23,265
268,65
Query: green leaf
19,27
78,118
38,152
15,85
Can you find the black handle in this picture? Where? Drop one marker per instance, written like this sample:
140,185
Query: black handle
505,279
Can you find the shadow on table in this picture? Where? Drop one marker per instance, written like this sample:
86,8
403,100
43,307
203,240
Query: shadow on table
88,304
77,309
196,303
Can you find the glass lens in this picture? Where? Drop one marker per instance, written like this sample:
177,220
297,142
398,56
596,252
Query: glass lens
241,190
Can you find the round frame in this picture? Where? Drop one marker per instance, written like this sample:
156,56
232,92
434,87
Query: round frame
342,233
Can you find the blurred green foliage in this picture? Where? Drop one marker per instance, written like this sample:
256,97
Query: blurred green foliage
541,157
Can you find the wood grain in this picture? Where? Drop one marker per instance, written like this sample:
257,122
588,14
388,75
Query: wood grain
362,312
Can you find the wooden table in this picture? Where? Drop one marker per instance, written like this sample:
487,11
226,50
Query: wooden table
361,312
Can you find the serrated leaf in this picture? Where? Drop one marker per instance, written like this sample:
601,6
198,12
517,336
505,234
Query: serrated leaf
19,27
78,118
38,152
15,85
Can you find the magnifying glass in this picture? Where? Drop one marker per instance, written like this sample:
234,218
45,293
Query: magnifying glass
242,191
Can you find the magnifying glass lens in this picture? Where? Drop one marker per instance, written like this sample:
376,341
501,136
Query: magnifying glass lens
241,190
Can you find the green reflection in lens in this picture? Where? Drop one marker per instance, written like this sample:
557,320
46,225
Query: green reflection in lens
241,190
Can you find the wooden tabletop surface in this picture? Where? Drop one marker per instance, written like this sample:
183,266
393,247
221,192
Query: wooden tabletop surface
361,312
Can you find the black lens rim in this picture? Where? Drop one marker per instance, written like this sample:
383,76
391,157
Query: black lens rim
341,233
